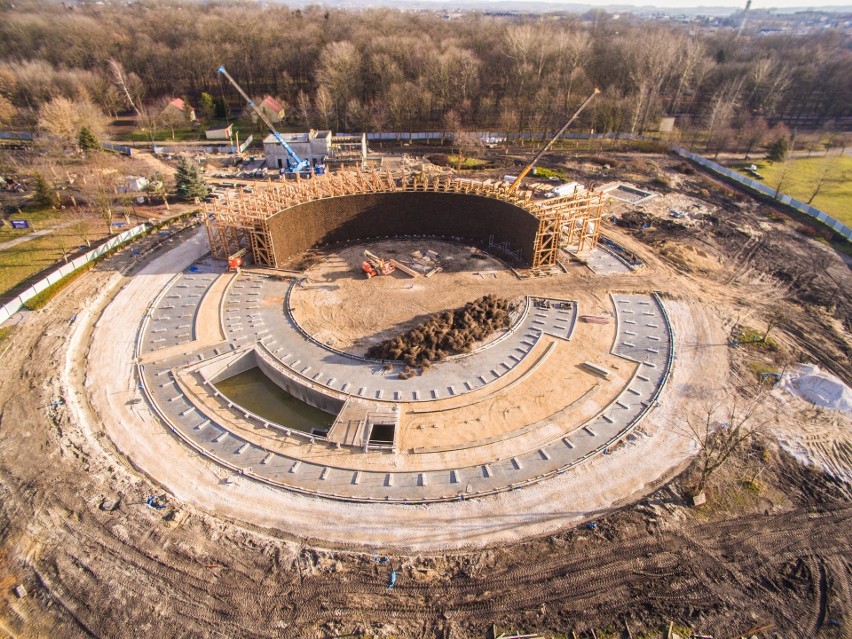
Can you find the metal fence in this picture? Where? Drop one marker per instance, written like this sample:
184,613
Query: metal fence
118,148
15,304
208,149
763,189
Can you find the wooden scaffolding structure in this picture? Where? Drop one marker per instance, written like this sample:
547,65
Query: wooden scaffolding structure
241,220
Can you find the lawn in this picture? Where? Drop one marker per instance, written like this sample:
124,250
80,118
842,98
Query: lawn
38,220
801,179
467,163
28,258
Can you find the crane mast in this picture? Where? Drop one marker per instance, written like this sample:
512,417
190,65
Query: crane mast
295,164
547,146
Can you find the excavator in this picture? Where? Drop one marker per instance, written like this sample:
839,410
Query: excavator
514,186
374,265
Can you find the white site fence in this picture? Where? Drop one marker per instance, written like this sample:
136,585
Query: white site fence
209,149
747,183
763,189
14,305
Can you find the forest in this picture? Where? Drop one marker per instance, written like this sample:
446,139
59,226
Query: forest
386,69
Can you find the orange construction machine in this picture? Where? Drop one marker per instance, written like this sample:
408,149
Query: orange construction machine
374,265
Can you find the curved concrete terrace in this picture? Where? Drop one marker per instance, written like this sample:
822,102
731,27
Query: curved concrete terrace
643,335
250,318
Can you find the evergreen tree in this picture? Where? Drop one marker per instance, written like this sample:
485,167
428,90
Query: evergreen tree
777,151
206,105
44,193
189,180
87,141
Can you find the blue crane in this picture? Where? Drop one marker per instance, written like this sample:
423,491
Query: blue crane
295,164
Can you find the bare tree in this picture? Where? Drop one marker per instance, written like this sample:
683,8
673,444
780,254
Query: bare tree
720,429
324,106
339,64
62,119
121,79
754,135
689,59
826,176
303,106
467,144
720,113
170,117
149,120
509,121
786,165
654,56
450,123
82,228
103,191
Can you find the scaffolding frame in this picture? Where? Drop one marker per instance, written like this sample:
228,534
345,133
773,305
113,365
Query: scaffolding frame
241,220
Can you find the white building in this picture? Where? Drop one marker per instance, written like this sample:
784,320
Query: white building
312,146
317,147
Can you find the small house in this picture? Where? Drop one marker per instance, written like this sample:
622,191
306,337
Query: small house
178,108
272,109
219,132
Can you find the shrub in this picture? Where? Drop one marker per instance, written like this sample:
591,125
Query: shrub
439,159
445,333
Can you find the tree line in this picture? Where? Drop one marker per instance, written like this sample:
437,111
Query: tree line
386,69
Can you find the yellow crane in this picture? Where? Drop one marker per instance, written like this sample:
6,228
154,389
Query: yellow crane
547,146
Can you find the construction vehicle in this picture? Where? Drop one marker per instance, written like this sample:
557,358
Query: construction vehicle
295,164
374,265
531,165
235,260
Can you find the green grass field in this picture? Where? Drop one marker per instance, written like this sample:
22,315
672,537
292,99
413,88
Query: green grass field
38,220
467,163
28,258
803,174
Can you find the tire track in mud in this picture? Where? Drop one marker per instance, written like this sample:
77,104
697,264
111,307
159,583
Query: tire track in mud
601,576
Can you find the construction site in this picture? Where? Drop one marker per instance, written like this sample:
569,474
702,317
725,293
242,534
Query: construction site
386,402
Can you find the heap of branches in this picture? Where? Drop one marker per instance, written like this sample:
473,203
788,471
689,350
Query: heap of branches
446,333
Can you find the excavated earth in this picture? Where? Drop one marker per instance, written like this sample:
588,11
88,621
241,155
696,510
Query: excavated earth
769,554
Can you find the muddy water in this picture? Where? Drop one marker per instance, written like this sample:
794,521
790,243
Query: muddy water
254,391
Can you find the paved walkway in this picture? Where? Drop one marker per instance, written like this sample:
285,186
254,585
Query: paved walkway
31,236
248,320
603,262
172,318
643,335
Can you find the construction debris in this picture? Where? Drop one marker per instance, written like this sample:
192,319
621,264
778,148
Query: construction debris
405,269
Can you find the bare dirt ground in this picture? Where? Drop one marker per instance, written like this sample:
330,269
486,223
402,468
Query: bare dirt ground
771,551
340,306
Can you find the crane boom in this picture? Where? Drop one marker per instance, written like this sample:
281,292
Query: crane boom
547,146
294,162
